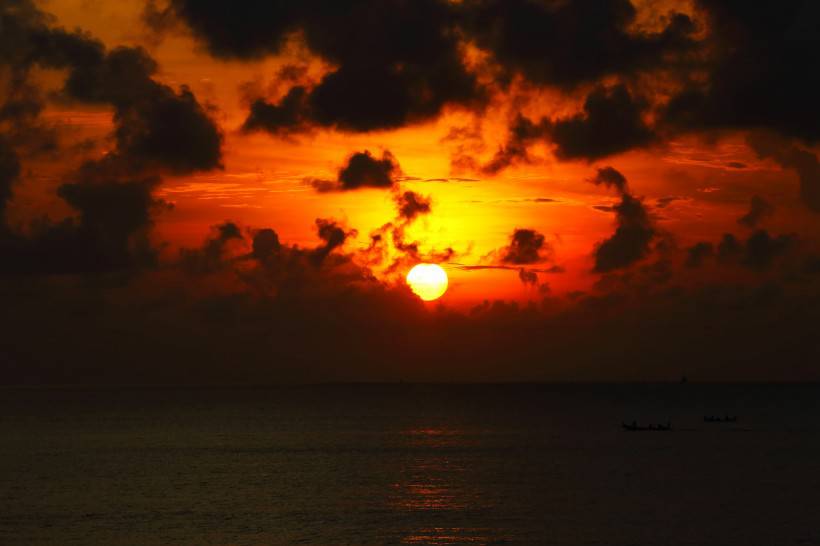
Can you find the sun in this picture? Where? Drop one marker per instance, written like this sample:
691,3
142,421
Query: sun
428,281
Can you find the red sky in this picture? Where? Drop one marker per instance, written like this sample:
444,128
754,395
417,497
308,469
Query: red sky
694,180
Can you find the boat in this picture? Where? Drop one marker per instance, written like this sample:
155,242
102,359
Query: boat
718,419
634,426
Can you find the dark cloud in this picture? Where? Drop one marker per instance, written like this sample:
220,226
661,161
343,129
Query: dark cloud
284,118
527,276
812,265
759,209
631,240
611,178
389,76
568,43
634,230
211,256
527,246
412,204
362,170
110,232
611,122
333,236
9,171
697,253
759,251
729,247
266,245
804,162
155,127
396,62
762,249
339,324
522,133
759,71
156,131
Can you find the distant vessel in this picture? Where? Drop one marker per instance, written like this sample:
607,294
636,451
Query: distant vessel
717,419
634,426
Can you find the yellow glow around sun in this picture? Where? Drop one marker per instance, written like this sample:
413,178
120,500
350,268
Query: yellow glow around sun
428,281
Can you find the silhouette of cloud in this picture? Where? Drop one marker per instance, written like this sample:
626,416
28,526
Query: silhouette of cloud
362,170
634,229
759,209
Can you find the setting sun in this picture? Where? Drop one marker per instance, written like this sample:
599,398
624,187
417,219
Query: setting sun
428,281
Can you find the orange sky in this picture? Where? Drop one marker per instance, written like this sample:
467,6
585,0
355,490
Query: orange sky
263,182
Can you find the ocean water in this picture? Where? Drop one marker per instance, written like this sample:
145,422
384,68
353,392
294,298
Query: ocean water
411,464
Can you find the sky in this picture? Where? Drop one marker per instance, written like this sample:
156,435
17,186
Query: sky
193,191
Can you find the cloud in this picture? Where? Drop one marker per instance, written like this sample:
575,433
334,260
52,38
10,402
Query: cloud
611,178
762,248
522,133
9,172
387,76
736,65
758,252
287,117
631,239
412,204
757,73
527,246
569,43
396,63
729,247
333,235
634,229
362,170
789,156
528,277
211,256
759,209
255,325
157,131
611,122
697,253
266,245
155,127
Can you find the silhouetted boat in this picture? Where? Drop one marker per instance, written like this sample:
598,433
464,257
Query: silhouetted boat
634,427
716,419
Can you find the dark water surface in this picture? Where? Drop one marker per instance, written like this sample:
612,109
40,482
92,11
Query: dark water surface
411,464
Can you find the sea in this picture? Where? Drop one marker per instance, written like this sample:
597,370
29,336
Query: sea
356,464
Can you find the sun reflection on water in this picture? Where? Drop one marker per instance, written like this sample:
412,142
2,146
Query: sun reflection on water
436,490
